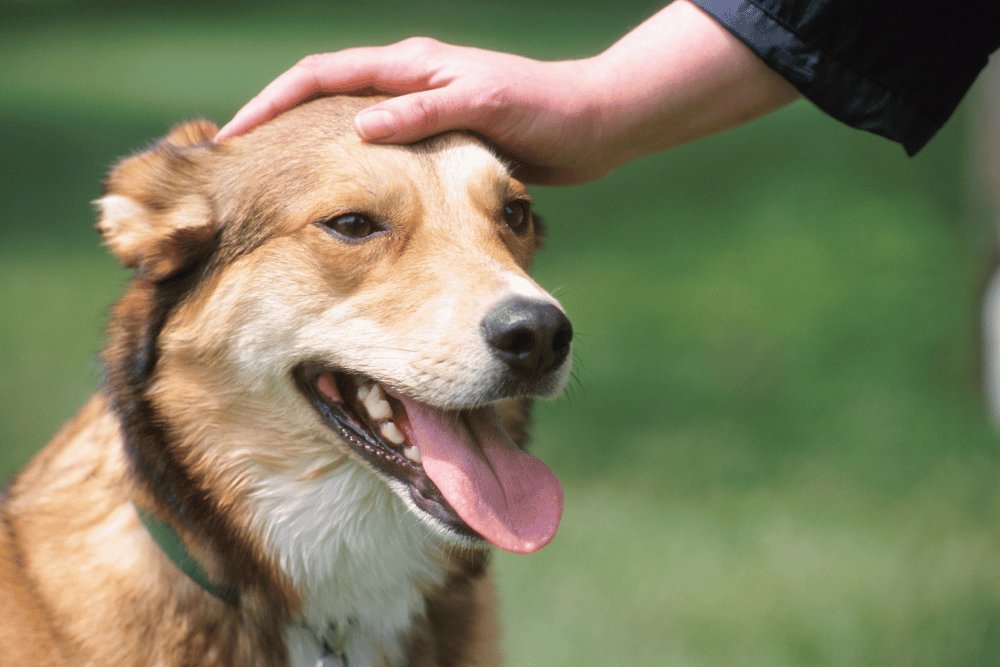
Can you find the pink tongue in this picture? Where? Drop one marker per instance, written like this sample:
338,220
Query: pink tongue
506,495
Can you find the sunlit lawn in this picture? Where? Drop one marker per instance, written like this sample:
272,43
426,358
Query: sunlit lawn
773,450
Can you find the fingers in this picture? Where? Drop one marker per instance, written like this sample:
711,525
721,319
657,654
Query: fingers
416,116
392,69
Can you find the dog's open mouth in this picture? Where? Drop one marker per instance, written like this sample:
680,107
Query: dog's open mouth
459,467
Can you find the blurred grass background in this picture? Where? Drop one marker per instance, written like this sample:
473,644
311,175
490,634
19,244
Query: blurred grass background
776,451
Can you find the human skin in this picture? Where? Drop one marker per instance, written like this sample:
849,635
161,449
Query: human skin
677,77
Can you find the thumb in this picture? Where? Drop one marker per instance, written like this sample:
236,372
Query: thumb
415,116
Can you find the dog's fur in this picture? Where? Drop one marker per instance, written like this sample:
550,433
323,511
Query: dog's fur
237,281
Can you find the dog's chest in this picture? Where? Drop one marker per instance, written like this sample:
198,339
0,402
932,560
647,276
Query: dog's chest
331,649
359,559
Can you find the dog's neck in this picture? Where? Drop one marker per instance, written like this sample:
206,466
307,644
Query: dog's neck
364,568
359,560
326,638
360,597
320,522
173,547
307,646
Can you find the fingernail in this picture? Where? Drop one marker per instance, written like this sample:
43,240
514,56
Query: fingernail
376,124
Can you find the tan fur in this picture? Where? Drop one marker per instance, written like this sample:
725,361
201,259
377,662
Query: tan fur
233,280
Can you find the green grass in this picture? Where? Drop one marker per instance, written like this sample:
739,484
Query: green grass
774,449
53,307
813,571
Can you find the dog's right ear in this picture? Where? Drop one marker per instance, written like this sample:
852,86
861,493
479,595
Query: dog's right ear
154,215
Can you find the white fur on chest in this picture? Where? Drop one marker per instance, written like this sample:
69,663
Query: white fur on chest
357,556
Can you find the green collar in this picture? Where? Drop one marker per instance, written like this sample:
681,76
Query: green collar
171,544
330,644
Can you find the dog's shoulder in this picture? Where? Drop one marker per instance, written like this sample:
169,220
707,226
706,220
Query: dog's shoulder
27,635
34,520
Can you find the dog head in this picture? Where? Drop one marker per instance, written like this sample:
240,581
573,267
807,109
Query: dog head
308,310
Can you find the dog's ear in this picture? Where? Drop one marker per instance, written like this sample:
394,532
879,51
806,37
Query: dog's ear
154,215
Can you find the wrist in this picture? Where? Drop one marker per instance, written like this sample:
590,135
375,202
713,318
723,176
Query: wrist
678,77
587,117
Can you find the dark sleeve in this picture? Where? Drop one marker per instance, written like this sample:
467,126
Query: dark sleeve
897,68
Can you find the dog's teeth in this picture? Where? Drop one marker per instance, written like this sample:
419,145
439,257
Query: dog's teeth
392,433
412,453
378,408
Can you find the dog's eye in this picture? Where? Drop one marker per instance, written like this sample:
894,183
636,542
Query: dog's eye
350,225
517,216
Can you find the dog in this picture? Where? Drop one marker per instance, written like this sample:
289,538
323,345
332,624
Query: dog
317,389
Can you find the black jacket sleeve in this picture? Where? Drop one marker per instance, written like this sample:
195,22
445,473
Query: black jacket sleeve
897,68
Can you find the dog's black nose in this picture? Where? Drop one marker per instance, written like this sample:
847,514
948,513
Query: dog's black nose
531,336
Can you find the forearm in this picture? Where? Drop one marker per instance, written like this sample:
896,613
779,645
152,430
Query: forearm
678,77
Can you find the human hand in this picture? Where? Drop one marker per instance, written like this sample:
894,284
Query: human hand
540,113
677,77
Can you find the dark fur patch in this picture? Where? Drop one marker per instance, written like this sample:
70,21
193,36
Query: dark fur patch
130,362
442,640
167,272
